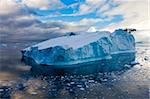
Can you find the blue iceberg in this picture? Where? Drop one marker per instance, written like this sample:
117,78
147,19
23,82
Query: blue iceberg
82,50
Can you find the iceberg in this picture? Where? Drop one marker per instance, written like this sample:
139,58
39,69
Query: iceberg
80,49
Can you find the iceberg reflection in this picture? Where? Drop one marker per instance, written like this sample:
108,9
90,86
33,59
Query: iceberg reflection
116,63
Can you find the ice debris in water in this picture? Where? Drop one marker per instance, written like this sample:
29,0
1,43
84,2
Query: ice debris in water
134,62
34,93
5,92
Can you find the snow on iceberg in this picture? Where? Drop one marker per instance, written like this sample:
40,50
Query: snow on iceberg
73,50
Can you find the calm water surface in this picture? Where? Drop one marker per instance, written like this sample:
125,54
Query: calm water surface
131,83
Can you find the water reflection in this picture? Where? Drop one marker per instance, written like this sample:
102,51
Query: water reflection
117,63
130,83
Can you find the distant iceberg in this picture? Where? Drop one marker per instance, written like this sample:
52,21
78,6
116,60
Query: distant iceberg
76,50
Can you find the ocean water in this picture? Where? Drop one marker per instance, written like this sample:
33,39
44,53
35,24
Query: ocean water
18,82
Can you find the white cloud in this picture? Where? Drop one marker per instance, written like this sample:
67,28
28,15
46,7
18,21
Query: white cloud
74,26
81,25
142,35
90,6
8,6
43,4
141,25
133,12
87,21
84,8
12,6
130,9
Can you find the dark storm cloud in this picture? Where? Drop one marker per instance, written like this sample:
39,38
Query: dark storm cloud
21,26
15,22
25,29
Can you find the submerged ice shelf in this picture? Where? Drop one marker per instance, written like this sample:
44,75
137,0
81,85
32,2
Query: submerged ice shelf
83,48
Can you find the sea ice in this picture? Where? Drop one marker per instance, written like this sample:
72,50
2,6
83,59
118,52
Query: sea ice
77,50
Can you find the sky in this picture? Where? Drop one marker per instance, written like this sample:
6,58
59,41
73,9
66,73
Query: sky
43,19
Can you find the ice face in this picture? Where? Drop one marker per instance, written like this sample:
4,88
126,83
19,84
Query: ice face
116,63
77,49
122,41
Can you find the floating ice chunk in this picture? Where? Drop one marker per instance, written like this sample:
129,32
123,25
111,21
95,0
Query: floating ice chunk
91,81
34,93
79,86
67,51
72,83
128,66
82,89
134,62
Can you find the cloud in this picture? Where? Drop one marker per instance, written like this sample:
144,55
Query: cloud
43,4
91,6
133,12
78,26
17,22
83,8
13,6
8,6
135,15
142,35
87,21
22,28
